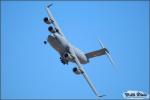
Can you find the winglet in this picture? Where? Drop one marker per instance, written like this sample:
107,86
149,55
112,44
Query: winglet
49,5
101,95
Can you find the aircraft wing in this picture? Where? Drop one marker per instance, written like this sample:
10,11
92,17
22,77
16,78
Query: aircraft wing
84,73
53,20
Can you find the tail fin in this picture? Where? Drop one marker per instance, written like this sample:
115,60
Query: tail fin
100,52
96,53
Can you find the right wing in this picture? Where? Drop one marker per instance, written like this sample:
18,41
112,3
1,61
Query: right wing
53,21
84,73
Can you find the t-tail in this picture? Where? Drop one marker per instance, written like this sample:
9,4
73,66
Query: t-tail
100,52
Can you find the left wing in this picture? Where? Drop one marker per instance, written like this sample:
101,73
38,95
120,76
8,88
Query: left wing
52,20
84,73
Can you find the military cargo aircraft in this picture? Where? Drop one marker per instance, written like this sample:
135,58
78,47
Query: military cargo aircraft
68,52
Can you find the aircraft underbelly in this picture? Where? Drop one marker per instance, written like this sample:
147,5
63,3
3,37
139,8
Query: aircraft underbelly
60,47
55,44
82,60
81,56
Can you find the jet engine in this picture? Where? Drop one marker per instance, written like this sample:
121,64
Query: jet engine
77,71
51,29
47,21
68,56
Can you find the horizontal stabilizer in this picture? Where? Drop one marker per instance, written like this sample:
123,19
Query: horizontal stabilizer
96,53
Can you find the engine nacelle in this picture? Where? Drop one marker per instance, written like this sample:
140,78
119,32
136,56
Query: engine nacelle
47,21
68,56
77,71
51,29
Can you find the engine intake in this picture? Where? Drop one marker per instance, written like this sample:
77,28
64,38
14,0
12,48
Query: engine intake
68,56
77,71
47,21
51,29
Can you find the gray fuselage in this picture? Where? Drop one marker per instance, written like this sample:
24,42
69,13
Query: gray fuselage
60,44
